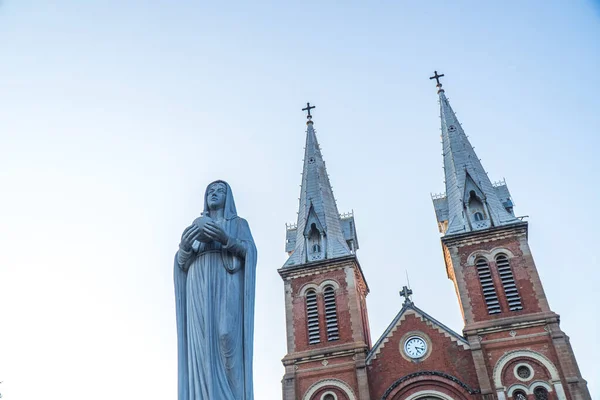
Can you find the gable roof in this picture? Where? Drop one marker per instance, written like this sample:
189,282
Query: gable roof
409,308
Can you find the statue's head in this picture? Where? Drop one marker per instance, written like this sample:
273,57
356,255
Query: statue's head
216,193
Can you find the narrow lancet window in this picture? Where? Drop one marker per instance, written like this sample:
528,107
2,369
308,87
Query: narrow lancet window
487,285
312,317
331,318
508,282
314,241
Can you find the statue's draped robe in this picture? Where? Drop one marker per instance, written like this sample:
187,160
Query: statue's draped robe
214,292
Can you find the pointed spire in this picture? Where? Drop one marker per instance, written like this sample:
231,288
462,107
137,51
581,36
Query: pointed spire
471,202
318,233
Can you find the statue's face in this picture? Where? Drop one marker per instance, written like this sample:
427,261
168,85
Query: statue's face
215,196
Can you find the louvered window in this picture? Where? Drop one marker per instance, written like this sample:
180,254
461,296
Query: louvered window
331,318
487,284
312,313
508,282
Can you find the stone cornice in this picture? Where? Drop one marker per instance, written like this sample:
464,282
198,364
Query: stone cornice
349,349
321,266
510,323
488,235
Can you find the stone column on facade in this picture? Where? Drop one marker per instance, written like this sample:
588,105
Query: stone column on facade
480,368
288,383
361,377
577,386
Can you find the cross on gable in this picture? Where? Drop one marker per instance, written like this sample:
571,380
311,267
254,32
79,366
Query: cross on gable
406,293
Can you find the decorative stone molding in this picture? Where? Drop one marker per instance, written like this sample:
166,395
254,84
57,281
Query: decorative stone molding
330,393
427,322
343,386
519,365
308,287
318,288
490,256
443,375
536,384
328,282
530,389
428,394
508,357
517,386
485,236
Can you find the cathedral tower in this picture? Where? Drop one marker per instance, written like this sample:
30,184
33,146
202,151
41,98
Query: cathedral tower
518,347
325,290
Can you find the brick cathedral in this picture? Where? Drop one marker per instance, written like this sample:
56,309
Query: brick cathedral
511,347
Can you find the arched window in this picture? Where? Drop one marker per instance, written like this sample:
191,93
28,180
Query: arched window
508,283
314,243
487,284
328,396
312,316
519,395
331,319
478,216
540,393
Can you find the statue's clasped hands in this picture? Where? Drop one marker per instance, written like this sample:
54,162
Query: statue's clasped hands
214,232
211,231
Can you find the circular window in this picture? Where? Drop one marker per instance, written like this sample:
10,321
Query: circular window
452,128
523,372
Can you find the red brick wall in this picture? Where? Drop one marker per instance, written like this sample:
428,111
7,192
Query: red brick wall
300,317
539,344
446,356
308,375
539,373
522,268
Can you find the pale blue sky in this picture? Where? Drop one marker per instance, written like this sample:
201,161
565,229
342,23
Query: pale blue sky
114,115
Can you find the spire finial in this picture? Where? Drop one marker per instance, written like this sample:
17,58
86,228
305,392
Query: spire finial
406,293
308,117
437,79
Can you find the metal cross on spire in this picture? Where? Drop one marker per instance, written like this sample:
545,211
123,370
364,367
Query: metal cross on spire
308,108
437,78
406,293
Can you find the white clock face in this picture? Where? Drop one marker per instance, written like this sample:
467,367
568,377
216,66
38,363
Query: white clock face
415,347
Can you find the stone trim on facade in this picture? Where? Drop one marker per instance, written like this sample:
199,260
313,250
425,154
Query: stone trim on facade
343,386
439,374
434,393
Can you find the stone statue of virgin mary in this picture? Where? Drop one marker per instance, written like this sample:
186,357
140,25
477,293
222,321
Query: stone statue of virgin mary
215,271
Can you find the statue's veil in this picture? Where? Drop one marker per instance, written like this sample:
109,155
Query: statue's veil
239,229
229,211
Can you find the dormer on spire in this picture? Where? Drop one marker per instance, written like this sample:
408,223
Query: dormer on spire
321,232
471,201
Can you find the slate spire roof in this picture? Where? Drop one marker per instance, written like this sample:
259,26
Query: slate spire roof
471,201
318,207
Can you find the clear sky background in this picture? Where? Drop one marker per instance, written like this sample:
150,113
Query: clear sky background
115,115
